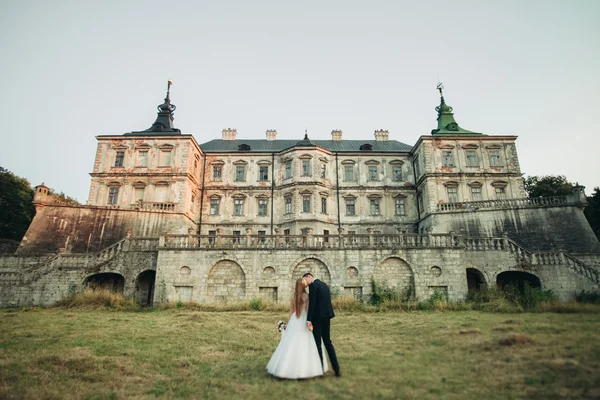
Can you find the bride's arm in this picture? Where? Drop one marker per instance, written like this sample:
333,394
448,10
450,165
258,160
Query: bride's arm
291,308
305,300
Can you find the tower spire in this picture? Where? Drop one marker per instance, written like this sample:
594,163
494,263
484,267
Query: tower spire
447,125
164,119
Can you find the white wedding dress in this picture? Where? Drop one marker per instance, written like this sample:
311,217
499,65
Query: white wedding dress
296,356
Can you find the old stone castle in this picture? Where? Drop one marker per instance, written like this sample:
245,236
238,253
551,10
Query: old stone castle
169,219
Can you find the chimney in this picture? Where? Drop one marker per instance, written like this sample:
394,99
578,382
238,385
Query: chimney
382,135
336,135
229,134
271,134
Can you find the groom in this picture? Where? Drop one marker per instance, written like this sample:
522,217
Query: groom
320,312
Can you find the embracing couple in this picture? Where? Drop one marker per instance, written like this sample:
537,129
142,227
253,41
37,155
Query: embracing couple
301,351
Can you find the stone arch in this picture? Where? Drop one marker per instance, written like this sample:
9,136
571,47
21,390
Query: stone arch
517,279
313,265
395,273
475,280
105,281
144,287
226,281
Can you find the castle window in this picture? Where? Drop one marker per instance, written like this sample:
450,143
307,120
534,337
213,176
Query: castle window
373,173
400,209
119,158
472,159
165,157
417,165
240,173
261,236
263,174
288,205
325,236
211,236
495,160
236,236
323,170
447,159
214,206
217,172
244,147
113,195
305,204
324,205
375,209
350,207
452,194
500,193
288,170
366,147
238,207
286,233
306,168
397,173
139,193
348,172
262,207
142,160
476,193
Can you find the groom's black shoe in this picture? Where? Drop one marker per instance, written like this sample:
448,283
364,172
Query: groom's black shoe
338,373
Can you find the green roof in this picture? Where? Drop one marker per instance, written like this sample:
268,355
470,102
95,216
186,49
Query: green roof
263,145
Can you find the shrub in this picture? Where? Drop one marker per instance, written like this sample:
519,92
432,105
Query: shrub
588,297
101,298
380,293
256,304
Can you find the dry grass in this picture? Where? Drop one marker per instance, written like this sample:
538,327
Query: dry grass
97,299
190,353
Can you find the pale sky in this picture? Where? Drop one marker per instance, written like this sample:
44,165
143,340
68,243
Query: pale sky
72,70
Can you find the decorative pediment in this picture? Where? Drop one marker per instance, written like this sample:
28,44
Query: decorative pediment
374,196
306,192
493,146
162,183
400,196
348,162
215,196
240,162
396,162
142,146
263,163
324,194
451,184
475,184
446,147
166,147
139,185
305,157
324,159
372,162
499,183
470,146
286,159
239,196
114,184
120,147
218,162
261,196
349,196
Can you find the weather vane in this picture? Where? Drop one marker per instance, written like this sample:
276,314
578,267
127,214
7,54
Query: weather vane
440,87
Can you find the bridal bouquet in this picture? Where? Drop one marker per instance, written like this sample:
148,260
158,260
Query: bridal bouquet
280,326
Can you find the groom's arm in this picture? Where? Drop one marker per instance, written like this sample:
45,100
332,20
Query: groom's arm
312,298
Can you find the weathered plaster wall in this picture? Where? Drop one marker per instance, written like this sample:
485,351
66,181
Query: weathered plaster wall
545,229
89,229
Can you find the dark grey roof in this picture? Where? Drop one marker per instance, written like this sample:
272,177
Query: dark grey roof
263,145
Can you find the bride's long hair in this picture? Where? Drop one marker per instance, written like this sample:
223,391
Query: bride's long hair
298,291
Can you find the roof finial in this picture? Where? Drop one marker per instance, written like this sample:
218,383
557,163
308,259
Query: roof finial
305,133
169,83
440,87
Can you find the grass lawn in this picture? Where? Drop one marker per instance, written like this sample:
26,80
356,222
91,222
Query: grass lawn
179,353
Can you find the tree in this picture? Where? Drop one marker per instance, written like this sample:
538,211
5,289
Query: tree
63,198
592,211
16,208
547,186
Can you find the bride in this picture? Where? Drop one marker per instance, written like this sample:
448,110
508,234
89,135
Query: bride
296,356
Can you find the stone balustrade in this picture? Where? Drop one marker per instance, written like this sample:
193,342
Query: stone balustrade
154,206
507,203
362,241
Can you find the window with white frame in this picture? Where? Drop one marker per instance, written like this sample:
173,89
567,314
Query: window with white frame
306,168
113,195
373,175
447,158
214,206
452,194
500,192
306,203
288,204
348,172
139,193
240,173
350,207
375,209
323,170
288,169
417,164
217,172
476,193
324,205
400,209
262,207
263,173
495,160
165,157
142,159
472,158
119,158
397,173
238,207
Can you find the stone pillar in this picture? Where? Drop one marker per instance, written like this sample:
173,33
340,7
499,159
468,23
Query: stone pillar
341,238
277,238
219,238
371,237
249,237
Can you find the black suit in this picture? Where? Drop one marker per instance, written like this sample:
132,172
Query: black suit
320,312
